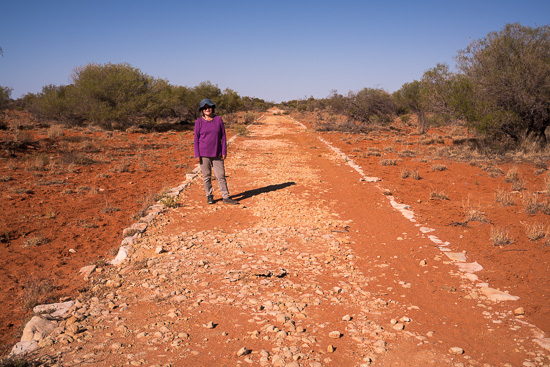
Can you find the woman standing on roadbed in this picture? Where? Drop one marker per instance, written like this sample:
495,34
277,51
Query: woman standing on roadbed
211,150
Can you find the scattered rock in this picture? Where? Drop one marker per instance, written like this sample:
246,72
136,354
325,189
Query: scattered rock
335,334
243,351
456,350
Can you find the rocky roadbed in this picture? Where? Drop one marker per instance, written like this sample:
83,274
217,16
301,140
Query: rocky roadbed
314,267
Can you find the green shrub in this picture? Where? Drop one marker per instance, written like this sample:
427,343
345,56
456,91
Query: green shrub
509,74
372,106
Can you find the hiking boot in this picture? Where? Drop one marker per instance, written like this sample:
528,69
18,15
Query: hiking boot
210,199
230,201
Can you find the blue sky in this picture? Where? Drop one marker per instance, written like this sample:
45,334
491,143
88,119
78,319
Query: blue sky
274,50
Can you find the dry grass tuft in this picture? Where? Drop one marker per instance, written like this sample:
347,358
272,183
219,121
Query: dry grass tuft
439,195
37,162
55,131
412,174
531,202
439,167
512,174
473,213
36,292
518,184
535,231
35,241
388,162
504,197
415,175
500,236
406,153
493,171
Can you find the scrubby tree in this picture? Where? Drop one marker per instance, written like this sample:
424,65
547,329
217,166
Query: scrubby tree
159,101
338,103
112,95
203,90
5,97
372,105
509,76
230,102
5,101
409,99
52,103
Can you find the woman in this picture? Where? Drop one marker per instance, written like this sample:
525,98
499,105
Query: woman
211,150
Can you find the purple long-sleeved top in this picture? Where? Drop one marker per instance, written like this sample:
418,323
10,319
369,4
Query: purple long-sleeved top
210,138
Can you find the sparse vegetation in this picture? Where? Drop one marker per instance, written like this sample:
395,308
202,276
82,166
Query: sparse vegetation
534,231
504,197
473,213
512,175
438,195
36,292
388,162
518,184
500,236
415,175
16,362
35,241
241,129
439,167
169,201
530,202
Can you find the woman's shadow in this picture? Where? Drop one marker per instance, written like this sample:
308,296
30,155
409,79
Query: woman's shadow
262,190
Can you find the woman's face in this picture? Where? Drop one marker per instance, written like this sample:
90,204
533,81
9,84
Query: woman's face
208,111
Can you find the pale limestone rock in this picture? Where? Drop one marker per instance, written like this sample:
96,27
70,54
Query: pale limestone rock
469,267
519,311
456,350
23,347
496,295
54,309
86,271
37,329
456,256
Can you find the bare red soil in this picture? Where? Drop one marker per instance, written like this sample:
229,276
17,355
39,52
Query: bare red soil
468,180
70,211
66,200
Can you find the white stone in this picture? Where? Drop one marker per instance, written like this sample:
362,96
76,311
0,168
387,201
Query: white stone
456,256
469,267
37,329
54,309
456,350
496,295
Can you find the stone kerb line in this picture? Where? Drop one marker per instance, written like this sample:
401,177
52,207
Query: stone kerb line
459,259
56,311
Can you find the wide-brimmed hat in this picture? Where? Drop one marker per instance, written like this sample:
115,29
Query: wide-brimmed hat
207,102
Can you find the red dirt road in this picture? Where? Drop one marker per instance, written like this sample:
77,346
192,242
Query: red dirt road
312,250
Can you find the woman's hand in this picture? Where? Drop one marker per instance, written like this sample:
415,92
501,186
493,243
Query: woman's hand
223,157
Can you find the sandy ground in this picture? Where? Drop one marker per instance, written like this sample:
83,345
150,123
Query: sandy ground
316,266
